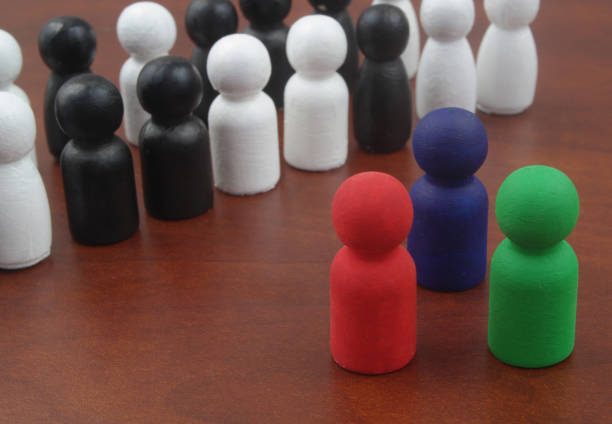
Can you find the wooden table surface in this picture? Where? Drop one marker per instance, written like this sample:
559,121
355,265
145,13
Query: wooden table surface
224,318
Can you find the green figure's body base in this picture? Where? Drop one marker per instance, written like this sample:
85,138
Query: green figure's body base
533,304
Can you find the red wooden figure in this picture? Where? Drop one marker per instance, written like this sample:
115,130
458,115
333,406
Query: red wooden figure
373,277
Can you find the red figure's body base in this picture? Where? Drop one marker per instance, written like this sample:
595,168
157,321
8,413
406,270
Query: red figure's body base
373,310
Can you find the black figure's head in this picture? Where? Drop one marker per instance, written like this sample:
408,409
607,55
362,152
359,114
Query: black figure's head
265,12
67,44
382,32
169,88
330,6
88,107
209,20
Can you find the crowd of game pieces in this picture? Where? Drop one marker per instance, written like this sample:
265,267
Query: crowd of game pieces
182,116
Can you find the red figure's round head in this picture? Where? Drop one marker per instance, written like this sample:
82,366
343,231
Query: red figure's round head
372,212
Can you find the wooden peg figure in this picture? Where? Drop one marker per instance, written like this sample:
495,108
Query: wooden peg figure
448,240
67,45
410,55
245,152
337,9
316,97
96,164
382,105
207,21
373,278
447,71
25,219
507,82
12,61
174,148
266,24
146,30
534,272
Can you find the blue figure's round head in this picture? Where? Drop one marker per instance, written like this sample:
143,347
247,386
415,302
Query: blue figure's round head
450,143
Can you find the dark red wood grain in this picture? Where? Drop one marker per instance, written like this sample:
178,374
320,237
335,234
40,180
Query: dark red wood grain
224,318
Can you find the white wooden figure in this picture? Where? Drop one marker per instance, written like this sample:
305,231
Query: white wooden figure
146,30
316,96
447,70
25,218
242,119
11,62
507,64
411,53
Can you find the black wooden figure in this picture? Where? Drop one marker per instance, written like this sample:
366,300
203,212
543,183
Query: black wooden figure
266,23
206,22
174,147
337,10
96,164
382,109
67,45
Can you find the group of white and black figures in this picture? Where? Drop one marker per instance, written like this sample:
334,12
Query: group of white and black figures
222,104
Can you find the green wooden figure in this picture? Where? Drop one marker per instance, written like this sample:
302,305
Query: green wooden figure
534,272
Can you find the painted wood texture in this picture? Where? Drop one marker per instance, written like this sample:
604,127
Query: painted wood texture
146,30
412,52
67,45
382,104
448,240
534,272
267,24
506,83
372,283
224,317
12,60
316,97
206,21
447,71
25,221
174,146
245,151
97,167
337,9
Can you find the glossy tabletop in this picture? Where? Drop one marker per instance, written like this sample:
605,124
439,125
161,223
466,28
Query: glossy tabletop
224,318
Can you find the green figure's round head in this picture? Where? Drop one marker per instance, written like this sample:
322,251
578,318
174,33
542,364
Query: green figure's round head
537,206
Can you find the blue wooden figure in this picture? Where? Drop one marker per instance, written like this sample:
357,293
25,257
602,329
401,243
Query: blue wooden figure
448,240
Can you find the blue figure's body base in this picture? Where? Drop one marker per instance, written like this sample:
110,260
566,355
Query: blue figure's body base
448,240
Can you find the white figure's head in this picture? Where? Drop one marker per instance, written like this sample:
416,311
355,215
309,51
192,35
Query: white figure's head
316,45
17,128
512,14
238,65
447,20
10,58
146,30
